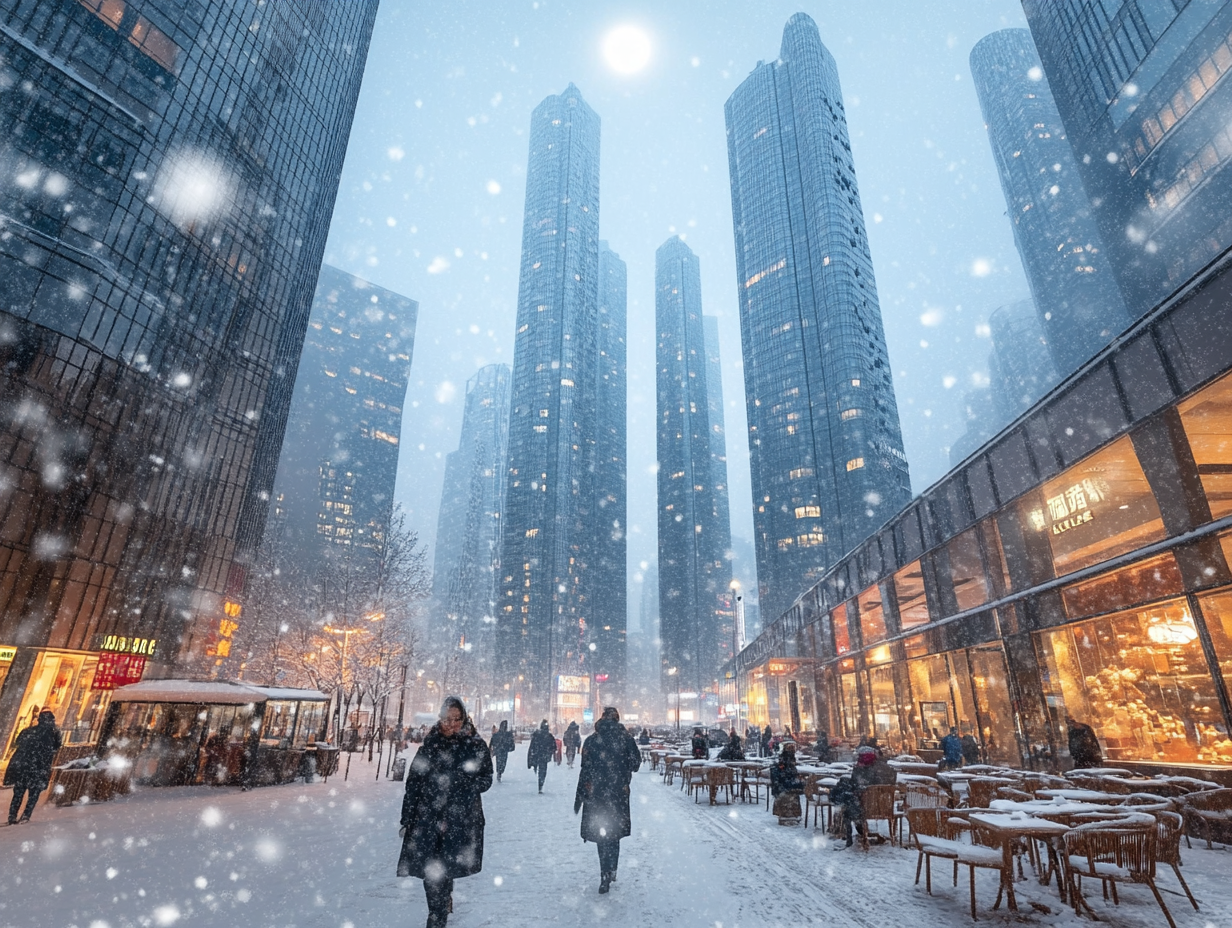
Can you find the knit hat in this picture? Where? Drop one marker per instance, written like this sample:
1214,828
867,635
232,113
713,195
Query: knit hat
866,756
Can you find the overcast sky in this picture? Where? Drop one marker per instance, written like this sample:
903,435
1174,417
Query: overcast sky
432,193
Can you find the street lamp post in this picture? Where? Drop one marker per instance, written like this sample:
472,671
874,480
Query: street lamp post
674,672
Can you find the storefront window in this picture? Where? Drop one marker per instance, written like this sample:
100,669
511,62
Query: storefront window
967,570
1217,612
872,616
309,729
993,709
1140,679
1207,418
941,698
842,639
883,703
1096,510
60,683
279,720
912,603
1143,582
849,692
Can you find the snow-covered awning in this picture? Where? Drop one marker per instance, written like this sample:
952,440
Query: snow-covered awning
202,692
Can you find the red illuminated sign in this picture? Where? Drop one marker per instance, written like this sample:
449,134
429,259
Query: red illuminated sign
116,669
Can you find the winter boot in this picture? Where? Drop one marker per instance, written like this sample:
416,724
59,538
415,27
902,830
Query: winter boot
605,883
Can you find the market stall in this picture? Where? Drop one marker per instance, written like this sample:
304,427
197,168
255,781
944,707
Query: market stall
180,732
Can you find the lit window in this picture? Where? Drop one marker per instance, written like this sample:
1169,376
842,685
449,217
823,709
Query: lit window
541,428
543,414
855,464
808,512
155,44
531,533
109,11
566,382
523,328
385,436
849,414
810,539
856,382
799,472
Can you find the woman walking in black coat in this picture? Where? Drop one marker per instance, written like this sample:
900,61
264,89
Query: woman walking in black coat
502,747
610,757
442,812
30,769
572,741
541,751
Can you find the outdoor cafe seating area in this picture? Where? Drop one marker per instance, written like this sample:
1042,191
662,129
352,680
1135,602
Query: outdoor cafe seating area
1105,830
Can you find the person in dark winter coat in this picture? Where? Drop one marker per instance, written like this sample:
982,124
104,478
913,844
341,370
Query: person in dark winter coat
786,786
732,750
970,749
502,746
766,737
442,809
30,769
542,750
644,737
822,747
610,757
573,741
701,745
951,751
1084,747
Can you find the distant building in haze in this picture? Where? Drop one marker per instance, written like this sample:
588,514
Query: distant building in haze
464,577
608,556
718,477
643,692
694,570
1071,278
826,451
545,626
334,489
170,170
1142,89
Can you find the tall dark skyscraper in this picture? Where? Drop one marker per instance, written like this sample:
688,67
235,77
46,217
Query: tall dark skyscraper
334,490
171,170
718,477
694,571
609,555
464,578
546,628
1076,294
824,441
1141,87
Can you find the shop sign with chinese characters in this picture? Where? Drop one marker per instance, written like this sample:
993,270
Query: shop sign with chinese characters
1073,507
227,628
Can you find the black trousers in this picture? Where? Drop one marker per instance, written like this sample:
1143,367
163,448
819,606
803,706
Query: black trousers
438,893
609,854
501,759
543,772
19,793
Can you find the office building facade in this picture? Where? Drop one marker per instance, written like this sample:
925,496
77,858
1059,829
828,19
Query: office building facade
174,170
467,557
1078,565
609,554
825,446
545,626
1142,88
1068,269
694,570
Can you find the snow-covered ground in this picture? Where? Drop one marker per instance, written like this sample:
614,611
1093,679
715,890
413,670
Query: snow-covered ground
323,854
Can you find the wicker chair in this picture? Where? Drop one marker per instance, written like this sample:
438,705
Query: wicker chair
876,803
817,798
694,779
1204,810
934,834
1112,855
981,791
717,779
985,851
920,796
1168,847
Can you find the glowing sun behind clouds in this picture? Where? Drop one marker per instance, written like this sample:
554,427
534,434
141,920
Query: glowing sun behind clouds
626,49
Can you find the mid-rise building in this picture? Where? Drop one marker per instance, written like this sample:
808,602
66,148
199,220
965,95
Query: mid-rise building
608,557
545,628
826,451
694,570
1075,291
334,489
467,557
171,170
1142,89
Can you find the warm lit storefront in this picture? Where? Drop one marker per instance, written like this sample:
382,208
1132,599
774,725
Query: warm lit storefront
1079,566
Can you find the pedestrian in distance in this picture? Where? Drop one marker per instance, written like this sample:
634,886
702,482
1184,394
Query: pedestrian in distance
442,808
766,737
951,751
573,742
502,747
610,757
786,786
30,769
644,738
970,749
1084,749
541,750
701,745
822,747
732,750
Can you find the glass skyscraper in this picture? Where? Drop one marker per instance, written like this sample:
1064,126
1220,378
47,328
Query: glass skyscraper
825,447
334,489
609,554
694,571
546,627
1143,92
464,578
1076,294
169,172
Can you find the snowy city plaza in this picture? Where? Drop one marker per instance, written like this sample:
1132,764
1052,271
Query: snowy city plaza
708,464
322,854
